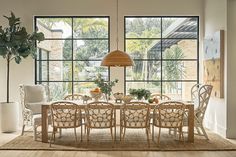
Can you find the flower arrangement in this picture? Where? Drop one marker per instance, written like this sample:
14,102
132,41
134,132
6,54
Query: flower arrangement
140,93
105,86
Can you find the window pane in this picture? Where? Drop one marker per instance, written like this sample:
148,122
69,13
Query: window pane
90,49
144,70
179,70
154,87
58,90
179,27
55,27
178,90
42,71
42,54
142,27
90,27
58,49
60,70
83,87
88,70
143,49
179,49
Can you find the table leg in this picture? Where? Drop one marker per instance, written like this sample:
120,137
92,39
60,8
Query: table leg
191,124
44,123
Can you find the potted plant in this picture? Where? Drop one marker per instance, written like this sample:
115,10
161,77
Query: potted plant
105,87
140,93
15,44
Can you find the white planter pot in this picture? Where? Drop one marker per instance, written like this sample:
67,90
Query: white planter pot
9,116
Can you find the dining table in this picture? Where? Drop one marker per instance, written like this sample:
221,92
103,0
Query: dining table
46,107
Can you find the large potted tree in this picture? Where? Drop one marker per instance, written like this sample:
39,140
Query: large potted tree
15,44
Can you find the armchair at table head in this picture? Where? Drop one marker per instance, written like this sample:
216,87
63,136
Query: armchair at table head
201,97
32,98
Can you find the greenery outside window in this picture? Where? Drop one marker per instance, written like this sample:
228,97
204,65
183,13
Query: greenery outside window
69,58
166,54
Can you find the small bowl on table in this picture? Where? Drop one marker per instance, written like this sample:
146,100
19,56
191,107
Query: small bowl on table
118,97
96,95
127,98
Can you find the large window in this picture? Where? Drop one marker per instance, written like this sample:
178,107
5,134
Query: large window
70,56
165,51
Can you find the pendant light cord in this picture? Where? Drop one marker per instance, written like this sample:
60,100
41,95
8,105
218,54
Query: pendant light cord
117,40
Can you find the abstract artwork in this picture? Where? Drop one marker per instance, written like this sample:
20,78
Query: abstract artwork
214,63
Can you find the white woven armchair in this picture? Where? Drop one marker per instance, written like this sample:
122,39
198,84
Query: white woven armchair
200,95
32,98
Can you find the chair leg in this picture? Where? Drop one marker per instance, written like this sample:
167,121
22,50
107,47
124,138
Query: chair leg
159,135
204,132
60,133
23,130
198,130
147,132
113,139
111,133
88,132
50,143
124,134
180,133
81,134
152,132
121,132
35,132
75,136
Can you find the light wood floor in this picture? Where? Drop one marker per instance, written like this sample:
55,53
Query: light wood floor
7,137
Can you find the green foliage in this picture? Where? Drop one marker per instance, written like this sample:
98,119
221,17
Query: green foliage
105,87
140,93
15,42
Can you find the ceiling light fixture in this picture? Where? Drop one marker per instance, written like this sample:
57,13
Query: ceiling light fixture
117,57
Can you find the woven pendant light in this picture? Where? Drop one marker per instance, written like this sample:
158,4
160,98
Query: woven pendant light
117,57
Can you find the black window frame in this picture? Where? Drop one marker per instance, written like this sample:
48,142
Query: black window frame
72,39
161,59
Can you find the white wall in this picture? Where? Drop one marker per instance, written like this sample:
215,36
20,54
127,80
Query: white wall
26,9
231,73
216,19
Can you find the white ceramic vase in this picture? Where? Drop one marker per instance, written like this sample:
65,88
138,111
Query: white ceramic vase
9,116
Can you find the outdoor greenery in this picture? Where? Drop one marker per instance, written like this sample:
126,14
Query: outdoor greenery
90,44
16,43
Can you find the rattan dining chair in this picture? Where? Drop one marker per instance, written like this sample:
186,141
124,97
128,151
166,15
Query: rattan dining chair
65,115
135,115
74,96
160,96
201,99
168,115
101,115
77,97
